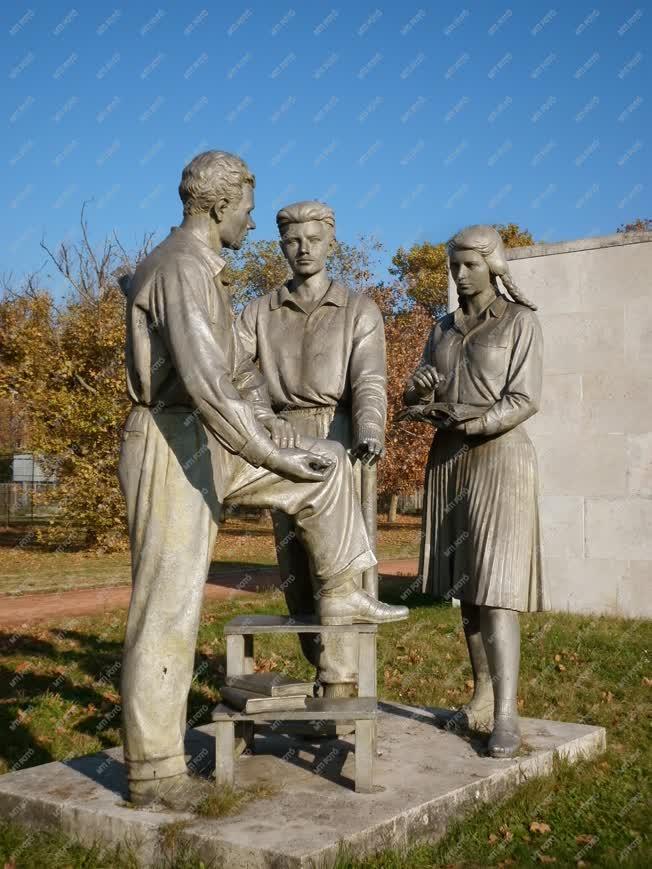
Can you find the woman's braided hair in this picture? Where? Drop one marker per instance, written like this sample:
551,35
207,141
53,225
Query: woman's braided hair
488,243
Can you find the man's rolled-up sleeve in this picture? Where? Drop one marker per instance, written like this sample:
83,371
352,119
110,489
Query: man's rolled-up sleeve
179,304
248,378
368,370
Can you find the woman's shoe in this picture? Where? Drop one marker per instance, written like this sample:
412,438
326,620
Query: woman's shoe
505,739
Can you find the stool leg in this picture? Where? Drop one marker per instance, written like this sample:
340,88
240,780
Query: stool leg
365,750
239,654
224,753
367,665
244,737
248,653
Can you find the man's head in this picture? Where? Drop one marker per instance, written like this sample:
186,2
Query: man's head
220,186
307,231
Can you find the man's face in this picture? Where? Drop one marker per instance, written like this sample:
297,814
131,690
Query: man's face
306,246
237,220
470,272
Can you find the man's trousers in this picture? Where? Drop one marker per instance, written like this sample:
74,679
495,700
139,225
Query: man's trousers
175,480
335,656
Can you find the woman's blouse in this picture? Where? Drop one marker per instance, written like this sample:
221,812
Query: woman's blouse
494,362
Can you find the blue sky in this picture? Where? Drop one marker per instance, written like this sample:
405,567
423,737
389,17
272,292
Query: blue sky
408,120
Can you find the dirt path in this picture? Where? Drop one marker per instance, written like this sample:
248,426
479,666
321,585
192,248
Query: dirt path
223,585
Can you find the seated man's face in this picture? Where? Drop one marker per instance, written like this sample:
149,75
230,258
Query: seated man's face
306,246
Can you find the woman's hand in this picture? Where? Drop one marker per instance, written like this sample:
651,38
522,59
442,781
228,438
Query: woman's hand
425,380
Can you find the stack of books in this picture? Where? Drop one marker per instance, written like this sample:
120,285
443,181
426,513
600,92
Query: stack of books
266,692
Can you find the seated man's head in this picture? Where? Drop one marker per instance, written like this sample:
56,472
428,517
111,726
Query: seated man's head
219,186
307,231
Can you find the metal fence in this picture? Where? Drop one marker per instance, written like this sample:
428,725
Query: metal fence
19,503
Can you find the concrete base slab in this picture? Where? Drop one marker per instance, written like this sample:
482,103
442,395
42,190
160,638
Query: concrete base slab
426,777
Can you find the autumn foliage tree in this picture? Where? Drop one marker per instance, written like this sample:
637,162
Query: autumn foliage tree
407,326
639,224
63,363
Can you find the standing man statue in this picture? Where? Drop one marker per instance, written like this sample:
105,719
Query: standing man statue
197,437
321,349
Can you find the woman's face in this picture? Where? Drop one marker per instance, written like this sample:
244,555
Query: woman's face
470,272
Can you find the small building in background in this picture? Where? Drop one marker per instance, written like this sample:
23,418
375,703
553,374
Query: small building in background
26,469
22,479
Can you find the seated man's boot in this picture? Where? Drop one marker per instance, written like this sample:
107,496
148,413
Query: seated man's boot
358,607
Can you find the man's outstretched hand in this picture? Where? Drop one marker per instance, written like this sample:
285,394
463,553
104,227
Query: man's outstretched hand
300,466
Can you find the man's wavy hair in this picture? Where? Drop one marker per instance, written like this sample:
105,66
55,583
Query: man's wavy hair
211,176
302,212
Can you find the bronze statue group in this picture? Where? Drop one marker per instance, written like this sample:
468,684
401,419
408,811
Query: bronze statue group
280,408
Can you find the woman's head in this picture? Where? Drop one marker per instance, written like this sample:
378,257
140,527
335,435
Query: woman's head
477,257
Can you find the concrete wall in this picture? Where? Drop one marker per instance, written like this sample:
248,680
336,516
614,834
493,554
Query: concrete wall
593,433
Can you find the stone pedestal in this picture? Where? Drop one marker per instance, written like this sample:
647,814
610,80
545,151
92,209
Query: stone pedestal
426,778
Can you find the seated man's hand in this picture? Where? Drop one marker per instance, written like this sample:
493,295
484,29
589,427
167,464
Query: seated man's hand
369,450
300,466
283,434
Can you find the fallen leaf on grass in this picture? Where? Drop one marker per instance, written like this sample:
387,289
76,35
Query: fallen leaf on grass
492,839
544,858
584,839
539,827
646,681
468,683
607,696
506,833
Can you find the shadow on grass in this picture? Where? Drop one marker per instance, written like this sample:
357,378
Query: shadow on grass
46,683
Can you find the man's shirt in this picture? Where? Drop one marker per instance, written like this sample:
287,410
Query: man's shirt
496,362
182,350
334,355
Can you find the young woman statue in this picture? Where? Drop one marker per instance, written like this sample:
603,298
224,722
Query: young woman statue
482,366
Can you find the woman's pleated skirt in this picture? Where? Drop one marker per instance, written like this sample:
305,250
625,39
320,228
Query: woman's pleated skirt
481,541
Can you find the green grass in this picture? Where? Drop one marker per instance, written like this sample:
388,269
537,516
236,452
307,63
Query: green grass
27,566
59,689
229,801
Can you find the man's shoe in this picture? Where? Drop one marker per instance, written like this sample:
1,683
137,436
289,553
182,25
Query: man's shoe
182,792
358,607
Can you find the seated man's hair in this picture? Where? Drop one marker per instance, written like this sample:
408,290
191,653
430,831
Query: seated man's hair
302,212
211,176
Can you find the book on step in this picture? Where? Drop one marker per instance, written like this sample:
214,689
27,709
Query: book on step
248,702
271,685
